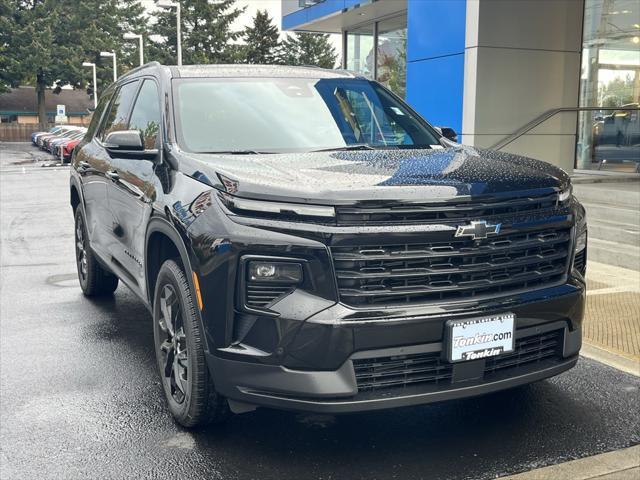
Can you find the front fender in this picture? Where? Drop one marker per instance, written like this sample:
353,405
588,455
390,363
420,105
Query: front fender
159,224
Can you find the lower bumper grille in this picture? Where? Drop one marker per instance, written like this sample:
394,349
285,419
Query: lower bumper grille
580,261
260,296
430,369
451,270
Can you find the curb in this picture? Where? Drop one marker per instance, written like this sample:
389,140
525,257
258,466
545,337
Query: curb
619,464
614,360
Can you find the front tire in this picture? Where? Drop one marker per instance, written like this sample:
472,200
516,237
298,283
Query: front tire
94,279
179,347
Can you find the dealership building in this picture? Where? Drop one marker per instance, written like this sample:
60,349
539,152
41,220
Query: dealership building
555,80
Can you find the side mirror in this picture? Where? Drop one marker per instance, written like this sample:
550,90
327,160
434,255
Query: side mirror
450,133
124,140
128,144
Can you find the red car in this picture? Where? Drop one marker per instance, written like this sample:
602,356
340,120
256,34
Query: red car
65,150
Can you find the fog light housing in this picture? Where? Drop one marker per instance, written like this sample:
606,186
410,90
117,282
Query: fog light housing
580,253
581,242
275,272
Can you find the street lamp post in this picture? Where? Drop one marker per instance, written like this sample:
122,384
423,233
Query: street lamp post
95,86
134,36
167,4
115,67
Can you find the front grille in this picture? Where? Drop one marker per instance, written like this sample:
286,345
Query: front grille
442,213
431,369
456,269
260,295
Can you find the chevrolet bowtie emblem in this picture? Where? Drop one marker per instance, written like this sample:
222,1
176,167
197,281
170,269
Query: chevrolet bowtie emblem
478,230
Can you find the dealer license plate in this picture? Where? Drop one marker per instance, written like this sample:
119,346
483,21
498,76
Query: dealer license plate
480,337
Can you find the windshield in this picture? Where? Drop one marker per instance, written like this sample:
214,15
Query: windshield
247,115
68,133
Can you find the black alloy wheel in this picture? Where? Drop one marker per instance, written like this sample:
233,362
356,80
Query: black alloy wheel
173,346
81,251
180,352
94,279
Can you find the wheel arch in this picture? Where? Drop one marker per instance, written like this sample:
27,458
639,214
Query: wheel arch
163,242
75,194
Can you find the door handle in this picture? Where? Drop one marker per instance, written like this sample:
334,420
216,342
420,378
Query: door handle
113,175
83,166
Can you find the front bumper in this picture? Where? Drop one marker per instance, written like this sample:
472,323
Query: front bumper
338,391
301,354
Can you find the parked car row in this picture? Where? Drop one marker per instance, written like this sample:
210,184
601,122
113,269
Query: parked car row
59,140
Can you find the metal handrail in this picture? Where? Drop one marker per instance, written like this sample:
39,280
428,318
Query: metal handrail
546,116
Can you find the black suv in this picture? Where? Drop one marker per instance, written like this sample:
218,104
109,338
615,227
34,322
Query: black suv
305,240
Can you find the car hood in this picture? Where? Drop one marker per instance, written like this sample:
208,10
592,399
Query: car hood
345,177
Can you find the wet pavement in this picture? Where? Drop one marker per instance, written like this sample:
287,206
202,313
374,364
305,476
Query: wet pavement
80,397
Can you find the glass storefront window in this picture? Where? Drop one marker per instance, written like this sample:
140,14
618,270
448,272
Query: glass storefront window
609,139
360,51
379,51
392,54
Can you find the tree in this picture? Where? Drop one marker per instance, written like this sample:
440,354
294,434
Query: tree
617,92
392,63
206,33
44,42
28,57
7,29
308,49
262,40
131,18
98,25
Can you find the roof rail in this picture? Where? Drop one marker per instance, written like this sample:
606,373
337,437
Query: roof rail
134,70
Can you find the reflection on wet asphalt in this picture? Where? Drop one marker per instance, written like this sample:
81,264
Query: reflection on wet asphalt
80,397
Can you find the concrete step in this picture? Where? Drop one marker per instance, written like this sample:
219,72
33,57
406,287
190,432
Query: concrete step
614,253
625,195
614,232
613,214
592,177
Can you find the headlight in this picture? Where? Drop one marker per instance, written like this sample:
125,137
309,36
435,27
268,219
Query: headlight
275,272
244,206
565,194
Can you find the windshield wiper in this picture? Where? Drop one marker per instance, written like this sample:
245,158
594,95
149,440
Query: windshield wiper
237,152
358,146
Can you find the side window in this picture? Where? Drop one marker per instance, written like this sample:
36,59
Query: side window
97,114
146,114
373,123
117,117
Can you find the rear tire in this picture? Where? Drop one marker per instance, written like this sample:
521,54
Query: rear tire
179,344
94,279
